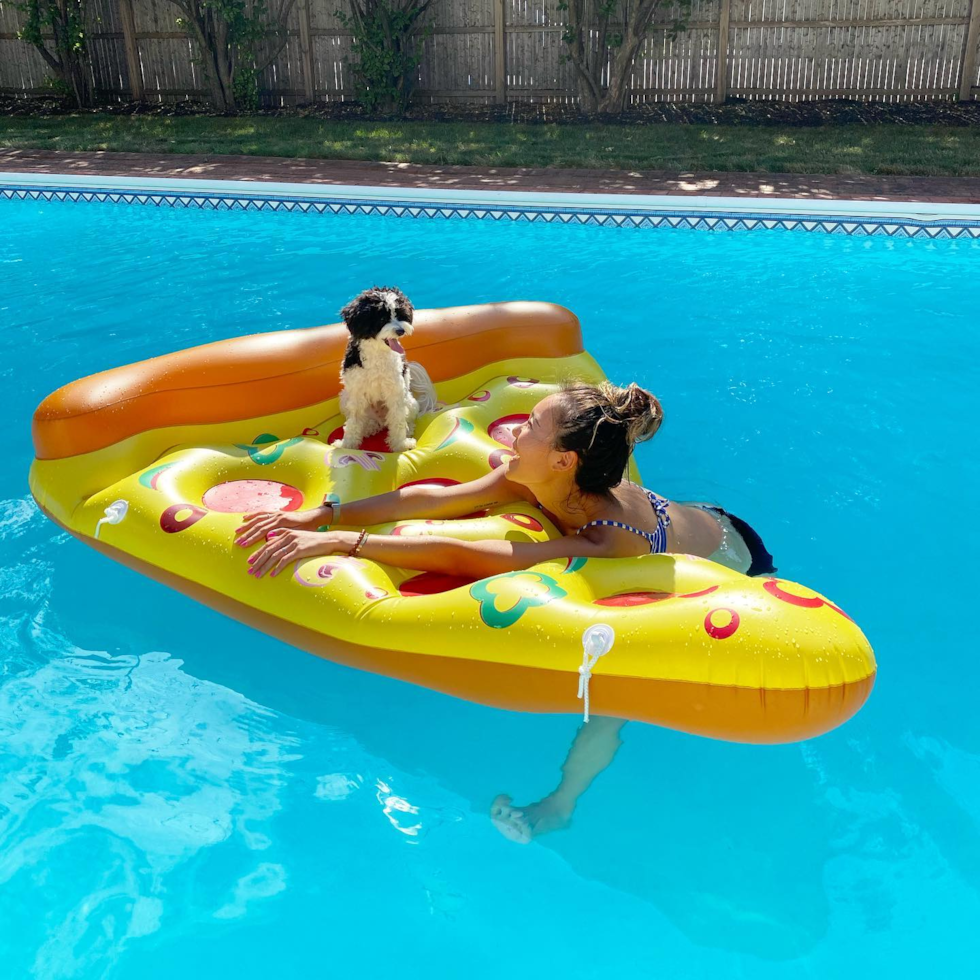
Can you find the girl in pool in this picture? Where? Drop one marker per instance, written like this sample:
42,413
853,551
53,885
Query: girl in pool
570,458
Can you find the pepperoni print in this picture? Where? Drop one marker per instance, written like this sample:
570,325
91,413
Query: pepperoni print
377,442
645,598
502,430
432,583
525,521
499,456
431,481
715,625
805,602
171,523
247,496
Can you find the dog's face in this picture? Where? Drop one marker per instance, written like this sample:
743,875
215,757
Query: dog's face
382,313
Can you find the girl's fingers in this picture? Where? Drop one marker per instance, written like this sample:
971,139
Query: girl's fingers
258,529
247,528
285,560
268,559
258,561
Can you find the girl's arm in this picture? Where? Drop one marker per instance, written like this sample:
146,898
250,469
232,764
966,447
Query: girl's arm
396,505
470,559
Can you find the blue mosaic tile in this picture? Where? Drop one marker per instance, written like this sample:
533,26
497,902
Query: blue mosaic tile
625,217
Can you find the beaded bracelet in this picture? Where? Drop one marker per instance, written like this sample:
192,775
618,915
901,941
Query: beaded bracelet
357,547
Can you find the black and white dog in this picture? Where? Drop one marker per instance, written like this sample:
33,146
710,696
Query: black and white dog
377,377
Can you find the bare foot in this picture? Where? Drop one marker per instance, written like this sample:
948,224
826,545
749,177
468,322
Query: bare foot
522,824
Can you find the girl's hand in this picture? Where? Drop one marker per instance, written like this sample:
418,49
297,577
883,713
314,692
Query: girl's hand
256,527
294,545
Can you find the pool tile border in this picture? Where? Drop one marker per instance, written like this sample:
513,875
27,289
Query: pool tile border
696,218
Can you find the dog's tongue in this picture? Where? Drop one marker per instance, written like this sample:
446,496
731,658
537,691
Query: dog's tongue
394,344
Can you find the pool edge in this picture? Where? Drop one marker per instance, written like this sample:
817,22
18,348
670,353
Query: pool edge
849,217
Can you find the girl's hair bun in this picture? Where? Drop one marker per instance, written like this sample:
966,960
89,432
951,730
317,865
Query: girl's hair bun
635,407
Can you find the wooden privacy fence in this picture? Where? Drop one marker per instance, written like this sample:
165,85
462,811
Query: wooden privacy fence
508,50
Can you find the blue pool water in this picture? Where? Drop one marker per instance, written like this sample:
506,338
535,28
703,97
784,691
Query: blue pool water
182,796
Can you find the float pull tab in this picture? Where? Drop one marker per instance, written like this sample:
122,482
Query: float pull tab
597,640
114,513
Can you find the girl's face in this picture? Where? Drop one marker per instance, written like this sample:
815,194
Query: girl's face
537,461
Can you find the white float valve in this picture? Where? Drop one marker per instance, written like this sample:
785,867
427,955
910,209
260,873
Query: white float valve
114,513
597,640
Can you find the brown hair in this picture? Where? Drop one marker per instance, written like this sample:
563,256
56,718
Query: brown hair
602,423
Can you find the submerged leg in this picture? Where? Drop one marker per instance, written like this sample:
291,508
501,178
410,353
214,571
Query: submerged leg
593,748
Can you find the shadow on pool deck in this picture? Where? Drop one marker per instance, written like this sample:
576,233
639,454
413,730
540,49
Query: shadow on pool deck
955,190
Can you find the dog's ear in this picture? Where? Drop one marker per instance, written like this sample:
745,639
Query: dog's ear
360,314
406,311
350,311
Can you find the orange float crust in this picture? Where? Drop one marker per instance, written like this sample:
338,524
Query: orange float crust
735,714
263,374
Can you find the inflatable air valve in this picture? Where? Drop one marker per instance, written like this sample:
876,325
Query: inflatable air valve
114,513
596,642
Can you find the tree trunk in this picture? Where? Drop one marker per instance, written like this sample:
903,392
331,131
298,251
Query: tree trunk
68,65
217,95
220,95
80,83
587,100
614,98
591,56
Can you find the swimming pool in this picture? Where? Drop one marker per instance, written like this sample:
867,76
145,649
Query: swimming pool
178,793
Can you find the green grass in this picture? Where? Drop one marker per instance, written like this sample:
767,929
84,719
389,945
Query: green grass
877,149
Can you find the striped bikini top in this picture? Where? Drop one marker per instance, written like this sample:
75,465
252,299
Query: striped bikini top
657,538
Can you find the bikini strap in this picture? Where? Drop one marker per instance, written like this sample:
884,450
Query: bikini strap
657,540
660,505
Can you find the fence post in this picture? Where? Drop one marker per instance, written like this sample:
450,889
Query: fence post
721,71
306,50
969,61
132,50
500,49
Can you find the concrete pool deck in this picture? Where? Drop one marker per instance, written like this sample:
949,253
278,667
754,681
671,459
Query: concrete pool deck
748,186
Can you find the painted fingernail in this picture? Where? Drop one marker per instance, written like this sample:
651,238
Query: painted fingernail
251,558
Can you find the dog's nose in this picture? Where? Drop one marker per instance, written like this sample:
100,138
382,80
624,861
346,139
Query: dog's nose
400,331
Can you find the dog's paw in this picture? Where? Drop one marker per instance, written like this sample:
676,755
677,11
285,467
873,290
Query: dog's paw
403,446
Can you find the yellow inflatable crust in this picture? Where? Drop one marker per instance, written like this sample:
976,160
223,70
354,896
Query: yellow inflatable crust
192,440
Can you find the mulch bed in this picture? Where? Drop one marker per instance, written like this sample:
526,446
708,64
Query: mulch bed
733,112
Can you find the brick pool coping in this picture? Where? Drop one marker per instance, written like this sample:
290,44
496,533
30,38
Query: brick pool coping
951,190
